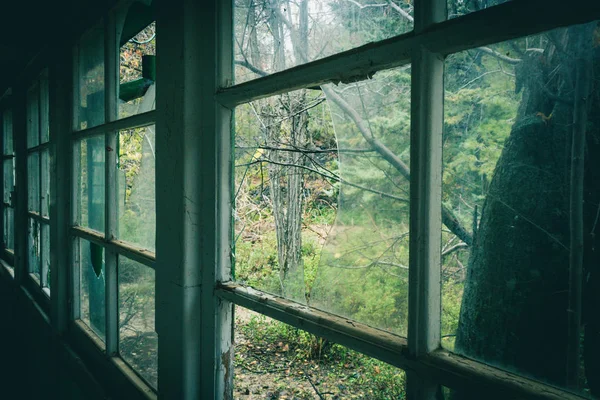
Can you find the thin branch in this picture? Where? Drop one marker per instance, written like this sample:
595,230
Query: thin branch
448,217
305,151
500,56
401,11
454,248
332,177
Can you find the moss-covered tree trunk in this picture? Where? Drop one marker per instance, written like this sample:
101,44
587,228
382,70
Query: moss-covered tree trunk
516,298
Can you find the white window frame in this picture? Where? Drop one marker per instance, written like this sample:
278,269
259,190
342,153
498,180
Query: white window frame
195,291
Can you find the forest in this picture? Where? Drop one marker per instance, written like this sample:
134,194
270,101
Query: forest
322,202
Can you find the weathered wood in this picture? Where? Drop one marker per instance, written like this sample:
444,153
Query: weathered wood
374,342
441,366
139,254
135,121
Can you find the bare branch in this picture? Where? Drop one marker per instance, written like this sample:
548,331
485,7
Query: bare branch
455,248
448,217
401,11
499,56
305,151
336,178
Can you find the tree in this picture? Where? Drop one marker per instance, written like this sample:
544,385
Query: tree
520,309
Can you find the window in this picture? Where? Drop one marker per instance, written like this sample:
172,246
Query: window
8,168
38,181
114,210
329,198
343,217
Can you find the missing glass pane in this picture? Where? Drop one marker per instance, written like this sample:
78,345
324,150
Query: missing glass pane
138,339
137,92
90,259
321,186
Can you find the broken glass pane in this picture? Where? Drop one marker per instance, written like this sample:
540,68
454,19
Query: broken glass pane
322,189
90,258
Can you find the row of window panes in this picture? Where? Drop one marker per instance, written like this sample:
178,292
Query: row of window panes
134,183
8,166
322,213
347,250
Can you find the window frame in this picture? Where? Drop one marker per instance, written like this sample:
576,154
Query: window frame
433,38
106,239
7,256
195,294
43,99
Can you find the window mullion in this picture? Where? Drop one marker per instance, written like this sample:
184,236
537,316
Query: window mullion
425,192
110,136
41,126
20,210
59,95
193,173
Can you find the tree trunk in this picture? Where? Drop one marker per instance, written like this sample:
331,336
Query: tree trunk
515,307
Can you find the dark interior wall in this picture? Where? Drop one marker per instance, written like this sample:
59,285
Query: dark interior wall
32,361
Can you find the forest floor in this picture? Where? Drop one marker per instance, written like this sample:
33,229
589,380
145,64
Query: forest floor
276,368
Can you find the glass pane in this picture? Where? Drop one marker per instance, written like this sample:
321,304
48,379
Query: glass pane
89,98
44,109
276,361
46,252
137,68
33,247
137,205
512,113
45,192
89,177
92,287
7,132
321,206
9,179
456,8
33,117
9,228
33,182
138,340
275,35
